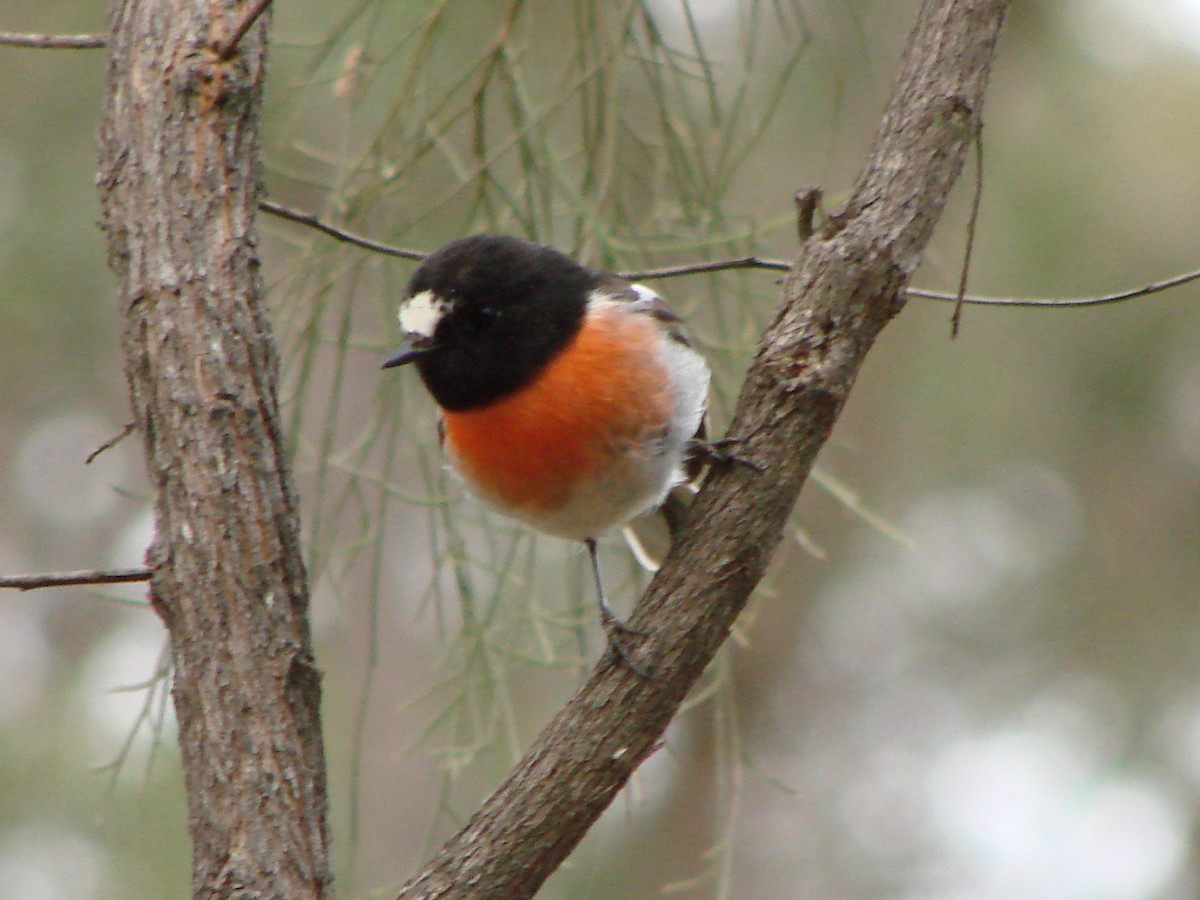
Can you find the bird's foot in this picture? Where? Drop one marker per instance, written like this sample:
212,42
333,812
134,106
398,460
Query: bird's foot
623,640
723,452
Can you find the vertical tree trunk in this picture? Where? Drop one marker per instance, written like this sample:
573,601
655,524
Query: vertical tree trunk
179,186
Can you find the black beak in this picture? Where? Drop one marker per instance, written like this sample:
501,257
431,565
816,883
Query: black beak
408,352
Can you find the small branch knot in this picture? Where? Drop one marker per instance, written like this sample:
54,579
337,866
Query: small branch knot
808,203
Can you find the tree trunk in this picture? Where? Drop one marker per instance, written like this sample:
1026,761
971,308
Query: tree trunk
179,186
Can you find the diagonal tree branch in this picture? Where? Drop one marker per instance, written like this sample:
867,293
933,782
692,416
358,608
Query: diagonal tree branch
848,283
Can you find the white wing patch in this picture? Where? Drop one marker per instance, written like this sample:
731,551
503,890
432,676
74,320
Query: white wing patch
419,314
645,294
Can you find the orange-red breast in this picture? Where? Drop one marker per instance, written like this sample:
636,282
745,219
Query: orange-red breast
571,399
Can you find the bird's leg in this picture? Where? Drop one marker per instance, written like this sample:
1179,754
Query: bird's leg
618,633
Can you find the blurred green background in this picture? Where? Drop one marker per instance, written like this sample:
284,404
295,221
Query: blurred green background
974,669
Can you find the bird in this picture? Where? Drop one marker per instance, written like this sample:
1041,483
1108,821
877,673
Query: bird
570,399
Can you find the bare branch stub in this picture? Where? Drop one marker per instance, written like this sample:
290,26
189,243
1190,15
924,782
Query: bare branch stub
808,201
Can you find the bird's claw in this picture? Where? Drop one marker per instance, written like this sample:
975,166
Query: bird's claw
721,452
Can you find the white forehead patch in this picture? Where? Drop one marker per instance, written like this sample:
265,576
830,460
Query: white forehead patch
419,314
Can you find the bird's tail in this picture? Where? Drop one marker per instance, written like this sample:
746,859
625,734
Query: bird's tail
650,535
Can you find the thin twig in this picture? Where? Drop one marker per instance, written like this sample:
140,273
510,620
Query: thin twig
972,225
743,262
341,234
1064,302
83,576
225,51
717,265
53,41
111,442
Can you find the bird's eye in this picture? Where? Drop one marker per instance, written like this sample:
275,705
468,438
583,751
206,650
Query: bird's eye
477,321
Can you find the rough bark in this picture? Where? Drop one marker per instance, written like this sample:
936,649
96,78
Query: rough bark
179,185
847,284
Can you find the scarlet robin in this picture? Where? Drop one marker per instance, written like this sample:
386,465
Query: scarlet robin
571,399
